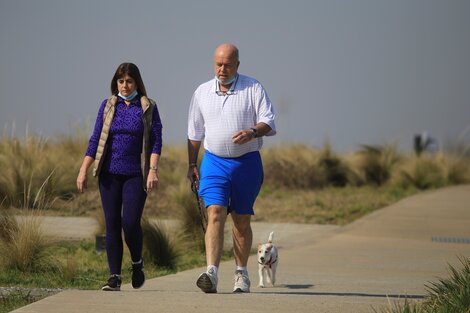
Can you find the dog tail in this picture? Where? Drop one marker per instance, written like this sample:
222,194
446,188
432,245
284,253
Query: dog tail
270,239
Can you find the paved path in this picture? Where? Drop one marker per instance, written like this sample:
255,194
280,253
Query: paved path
387,254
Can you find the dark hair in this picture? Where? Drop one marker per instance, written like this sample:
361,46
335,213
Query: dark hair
133,71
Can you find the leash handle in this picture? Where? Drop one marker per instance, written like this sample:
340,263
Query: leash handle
202,215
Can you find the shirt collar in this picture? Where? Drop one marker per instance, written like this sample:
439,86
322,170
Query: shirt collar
231,91
133,102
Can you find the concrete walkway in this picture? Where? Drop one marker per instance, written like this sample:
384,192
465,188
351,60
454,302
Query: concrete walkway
388,254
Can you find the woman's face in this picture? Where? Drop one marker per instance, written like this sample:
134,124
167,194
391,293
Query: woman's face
126,85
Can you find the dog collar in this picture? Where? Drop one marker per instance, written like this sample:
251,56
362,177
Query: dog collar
269,263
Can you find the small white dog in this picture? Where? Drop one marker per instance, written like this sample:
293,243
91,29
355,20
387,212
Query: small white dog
267,260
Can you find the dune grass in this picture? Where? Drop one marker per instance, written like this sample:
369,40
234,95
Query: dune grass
296,173
159,248
330,205
447,295
302,184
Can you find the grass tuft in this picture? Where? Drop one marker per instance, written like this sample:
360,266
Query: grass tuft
158,247
189,216
422,172
26,249
451,294
378,162
447,295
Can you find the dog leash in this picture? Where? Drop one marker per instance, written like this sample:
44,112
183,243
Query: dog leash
202,215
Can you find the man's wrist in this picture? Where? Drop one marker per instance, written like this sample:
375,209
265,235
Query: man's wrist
254,132
192,164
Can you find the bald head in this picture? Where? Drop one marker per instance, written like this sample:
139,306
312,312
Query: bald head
227,50
226,63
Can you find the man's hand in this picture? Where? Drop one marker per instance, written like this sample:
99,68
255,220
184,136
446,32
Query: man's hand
193,173
243,136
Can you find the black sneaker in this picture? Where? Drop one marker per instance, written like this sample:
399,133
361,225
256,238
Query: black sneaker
114,284
138,276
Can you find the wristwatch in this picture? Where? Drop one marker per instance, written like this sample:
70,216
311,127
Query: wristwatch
255,132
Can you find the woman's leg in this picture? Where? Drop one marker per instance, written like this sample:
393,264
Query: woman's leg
111,197
133,198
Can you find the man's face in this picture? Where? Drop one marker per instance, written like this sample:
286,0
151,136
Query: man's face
225,67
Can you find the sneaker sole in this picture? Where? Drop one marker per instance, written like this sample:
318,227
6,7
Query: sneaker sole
139,286
205,284
107,288
239,290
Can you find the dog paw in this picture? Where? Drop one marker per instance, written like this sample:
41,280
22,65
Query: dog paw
261,286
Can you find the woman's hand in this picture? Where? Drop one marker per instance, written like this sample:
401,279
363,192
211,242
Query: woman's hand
82,181
152,180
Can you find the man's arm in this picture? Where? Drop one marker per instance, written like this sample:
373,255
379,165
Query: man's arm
246,135
193,152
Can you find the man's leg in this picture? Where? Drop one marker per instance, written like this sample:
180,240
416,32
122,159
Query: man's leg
214,239
242,238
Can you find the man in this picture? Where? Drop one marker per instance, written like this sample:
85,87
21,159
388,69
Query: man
231,113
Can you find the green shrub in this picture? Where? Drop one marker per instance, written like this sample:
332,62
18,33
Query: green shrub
451,294
159,249
447,295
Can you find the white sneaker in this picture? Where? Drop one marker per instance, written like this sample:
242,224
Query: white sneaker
207,281
242,282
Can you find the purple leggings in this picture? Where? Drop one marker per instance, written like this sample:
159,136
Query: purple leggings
123,200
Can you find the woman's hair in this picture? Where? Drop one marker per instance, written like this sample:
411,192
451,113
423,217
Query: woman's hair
133,71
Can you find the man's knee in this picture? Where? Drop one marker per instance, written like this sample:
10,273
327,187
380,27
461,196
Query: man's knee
216,213
241,223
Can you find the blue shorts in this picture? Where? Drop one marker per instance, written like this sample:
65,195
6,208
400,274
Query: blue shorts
231,182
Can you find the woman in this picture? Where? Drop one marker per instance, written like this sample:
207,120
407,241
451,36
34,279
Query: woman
128,126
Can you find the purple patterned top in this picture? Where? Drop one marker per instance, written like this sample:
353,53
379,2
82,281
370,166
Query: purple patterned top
124,144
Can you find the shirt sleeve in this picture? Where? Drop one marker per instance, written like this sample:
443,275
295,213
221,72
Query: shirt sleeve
264,110
196,128
95,136
156,136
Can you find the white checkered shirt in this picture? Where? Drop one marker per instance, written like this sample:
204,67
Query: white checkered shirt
216,118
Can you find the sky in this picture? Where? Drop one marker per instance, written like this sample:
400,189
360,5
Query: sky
340,71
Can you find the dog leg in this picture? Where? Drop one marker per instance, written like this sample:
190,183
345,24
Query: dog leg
261,276
273,274
268,275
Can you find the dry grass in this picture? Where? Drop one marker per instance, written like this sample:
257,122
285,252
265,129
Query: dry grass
327,206
26,249
376,163
188,215
158,247
302,183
